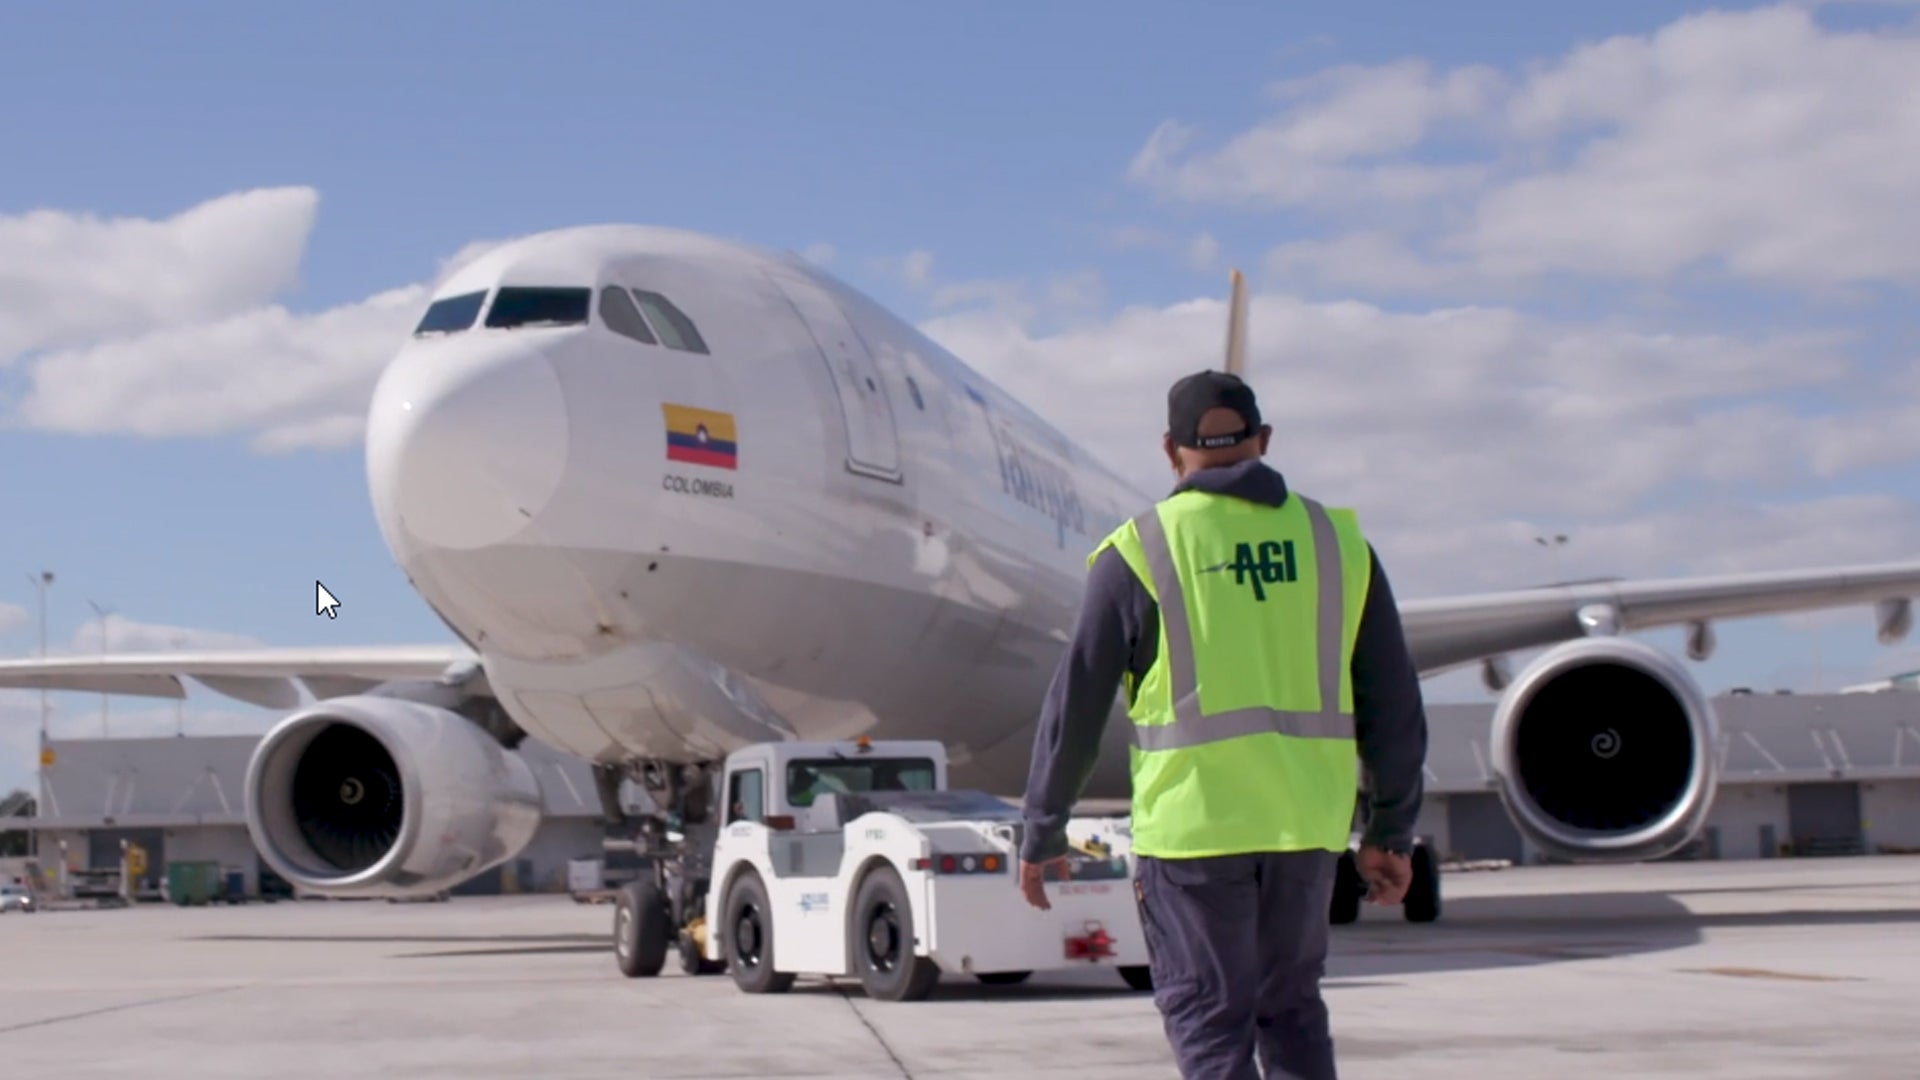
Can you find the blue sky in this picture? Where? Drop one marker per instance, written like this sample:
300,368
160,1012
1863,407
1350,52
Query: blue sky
1675,269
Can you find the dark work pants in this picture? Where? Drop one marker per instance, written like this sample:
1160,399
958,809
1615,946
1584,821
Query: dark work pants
1238,944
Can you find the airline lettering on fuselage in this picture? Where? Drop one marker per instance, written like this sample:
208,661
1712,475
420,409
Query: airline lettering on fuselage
1033,480
684,485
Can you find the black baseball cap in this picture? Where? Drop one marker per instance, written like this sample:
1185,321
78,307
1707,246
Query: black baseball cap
1200,393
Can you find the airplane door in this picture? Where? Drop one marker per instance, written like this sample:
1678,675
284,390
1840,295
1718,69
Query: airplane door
873,443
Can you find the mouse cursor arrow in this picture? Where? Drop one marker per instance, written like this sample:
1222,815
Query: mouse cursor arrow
324,602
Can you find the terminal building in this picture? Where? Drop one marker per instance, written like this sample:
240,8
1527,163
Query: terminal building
1800,775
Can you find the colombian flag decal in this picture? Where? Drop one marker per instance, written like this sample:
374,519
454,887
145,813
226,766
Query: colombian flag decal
701,437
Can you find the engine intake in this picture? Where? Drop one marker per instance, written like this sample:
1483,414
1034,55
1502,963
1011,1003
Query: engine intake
1605,752
347,800
380,796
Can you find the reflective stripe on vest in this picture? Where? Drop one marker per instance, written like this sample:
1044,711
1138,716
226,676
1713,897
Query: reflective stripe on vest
1192,727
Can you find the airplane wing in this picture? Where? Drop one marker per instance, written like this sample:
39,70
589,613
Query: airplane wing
264,677
1445,633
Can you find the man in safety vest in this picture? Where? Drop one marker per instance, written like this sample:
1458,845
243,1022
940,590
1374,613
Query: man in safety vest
1264,663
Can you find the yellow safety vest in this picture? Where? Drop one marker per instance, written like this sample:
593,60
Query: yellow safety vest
1243,727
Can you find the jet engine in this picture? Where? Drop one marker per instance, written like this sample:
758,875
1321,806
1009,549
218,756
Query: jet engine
381,796
1605,750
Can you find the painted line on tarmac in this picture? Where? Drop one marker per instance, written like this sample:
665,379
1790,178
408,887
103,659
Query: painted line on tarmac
46,1021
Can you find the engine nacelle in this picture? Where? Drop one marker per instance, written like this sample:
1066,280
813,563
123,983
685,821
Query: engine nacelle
1606,751
380,796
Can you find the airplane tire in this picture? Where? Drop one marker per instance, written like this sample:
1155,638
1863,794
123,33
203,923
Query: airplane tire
882,936
640,929
1349,889
1422,904
1138,976
749,938
1002,978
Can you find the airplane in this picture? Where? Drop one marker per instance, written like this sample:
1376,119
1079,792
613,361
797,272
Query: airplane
676,495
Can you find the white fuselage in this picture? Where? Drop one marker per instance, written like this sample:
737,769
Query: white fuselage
897,548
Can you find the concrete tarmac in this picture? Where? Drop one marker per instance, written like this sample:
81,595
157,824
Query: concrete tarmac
1756,970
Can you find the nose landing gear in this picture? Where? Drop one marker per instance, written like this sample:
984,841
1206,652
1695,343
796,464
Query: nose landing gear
661,911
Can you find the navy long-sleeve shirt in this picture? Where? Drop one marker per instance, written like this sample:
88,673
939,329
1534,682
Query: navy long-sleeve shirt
1118,632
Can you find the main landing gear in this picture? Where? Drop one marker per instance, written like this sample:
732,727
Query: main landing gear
1422,903
663,910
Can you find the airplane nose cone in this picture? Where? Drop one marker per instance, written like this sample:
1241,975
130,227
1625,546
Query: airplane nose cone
465,447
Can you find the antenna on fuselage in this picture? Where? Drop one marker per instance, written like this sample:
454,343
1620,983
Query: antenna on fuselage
1237,326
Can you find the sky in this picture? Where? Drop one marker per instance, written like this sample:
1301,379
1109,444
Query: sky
1640,274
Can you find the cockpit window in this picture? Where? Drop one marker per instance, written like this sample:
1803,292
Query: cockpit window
529,306
621,317
451,315
676,330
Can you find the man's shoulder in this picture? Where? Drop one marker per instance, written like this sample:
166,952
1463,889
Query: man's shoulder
1116,595
1343,515
1109,559
1113,574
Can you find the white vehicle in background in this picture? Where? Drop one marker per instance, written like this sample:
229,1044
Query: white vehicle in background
853,859
15,898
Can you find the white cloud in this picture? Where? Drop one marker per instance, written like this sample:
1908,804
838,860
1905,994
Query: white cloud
1198,252
224,360
1007,297
1756,143
1133,238
1757,139
67,279
1342,138
1203,251
12,617
1076,293
1455,431
117,633
326,433
1366,260
296,379
1014,301
1758,146
468,252
917,267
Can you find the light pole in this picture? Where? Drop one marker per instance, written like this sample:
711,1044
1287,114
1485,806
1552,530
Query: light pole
101,613
40,582
1553,544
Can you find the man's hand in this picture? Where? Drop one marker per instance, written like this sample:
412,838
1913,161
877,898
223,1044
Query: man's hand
1387,874
1033,878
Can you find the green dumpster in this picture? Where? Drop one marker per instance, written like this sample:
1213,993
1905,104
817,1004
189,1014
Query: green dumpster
194,883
